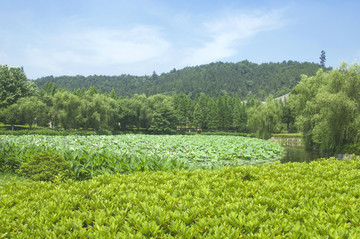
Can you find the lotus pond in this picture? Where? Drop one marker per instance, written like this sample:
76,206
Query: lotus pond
94,155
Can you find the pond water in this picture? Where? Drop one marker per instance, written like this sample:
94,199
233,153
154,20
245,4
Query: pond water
297,153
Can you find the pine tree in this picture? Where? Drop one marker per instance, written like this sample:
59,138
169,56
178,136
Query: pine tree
322,58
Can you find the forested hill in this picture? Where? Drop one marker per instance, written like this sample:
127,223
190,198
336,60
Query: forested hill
243,79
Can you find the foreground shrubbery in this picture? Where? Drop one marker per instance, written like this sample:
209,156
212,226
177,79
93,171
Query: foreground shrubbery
45,167
296,200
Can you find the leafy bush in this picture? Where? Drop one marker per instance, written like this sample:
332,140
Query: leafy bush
351,149
295,200
46,166
10,157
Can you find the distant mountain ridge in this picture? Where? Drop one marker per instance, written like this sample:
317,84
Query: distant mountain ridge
243,79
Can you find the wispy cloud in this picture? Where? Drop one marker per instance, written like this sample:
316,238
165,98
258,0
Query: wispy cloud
145,48
226,34
96,48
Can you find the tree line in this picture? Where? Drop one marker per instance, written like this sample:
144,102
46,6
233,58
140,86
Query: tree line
158,113
324,107
244,79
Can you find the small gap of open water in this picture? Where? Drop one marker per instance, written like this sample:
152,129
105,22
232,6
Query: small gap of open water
295,151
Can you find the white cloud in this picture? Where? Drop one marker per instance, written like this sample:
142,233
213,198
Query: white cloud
228,33
143,49
118,47
96,48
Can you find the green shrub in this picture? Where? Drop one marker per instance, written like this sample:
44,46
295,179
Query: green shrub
352,149
10,160
293,200
46,166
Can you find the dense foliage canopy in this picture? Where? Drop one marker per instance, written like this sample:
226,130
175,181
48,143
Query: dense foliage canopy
243,79
327,108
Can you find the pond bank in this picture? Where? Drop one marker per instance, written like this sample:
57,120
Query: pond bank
287,141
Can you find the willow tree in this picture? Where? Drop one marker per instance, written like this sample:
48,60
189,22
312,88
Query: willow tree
327,108
265,119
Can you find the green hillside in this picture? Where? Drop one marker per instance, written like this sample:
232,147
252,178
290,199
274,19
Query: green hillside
243,79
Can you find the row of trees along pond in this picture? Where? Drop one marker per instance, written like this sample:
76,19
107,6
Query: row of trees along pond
324,107
158,113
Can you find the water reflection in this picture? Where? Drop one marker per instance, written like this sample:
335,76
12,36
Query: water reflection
295,150
297,153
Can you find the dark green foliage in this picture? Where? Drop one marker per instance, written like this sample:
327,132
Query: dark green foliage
351,149
322,58
45,167
243,79
288,118
164,122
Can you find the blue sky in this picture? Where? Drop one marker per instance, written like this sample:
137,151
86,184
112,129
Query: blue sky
108,37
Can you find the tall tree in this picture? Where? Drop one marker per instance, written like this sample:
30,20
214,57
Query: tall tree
164,118
12,115
239,116
184,108
99,112
213,116
201,111
14,85
322,58
32,111
142,112
67,109
197,116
